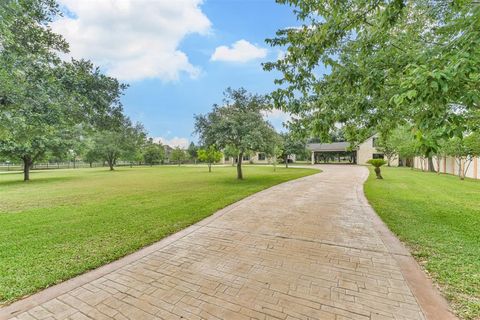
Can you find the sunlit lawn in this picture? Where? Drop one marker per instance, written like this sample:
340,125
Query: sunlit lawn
65,222
439,218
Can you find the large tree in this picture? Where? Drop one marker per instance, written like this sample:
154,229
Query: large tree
387,62
178,155
153,152
238,123
121,142
44,100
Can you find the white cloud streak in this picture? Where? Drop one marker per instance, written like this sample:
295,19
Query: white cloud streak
241,51
173,142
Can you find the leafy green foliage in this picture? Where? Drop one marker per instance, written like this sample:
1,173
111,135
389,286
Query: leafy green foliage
210,155
389,63
239,124
289,145
178,155
124,142
153,153
463,150
46,104
192,151
377,163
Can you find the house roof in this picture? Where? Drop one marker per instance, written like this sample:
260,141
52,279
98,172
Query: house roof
334,146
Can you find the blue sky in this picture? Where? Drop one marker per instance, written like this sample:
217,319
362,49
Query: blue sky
178,56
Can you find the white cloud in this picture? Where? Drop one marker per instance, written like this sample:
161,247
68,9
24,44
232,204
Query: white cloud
276,114
133,39
173,142
240,51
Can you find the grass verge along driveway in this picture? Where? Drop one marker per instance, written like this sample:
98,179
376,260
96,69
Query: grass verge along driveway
438,217
66,222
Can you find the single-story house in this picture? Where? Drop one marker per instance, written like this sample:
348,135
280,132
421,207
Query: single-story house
340,152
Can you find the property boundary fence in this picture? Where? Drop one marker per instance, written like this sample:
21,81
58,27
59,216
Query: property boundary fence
450,165
8,166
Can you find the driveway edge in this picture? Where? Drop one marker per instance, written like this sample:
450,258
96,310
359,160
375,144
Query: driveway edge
433,304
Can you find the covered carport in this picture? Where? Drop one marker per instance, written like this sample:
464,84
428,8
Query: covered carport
335,152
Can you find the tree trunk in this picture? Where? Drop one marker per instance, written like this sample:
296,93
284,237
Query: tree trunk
239,166
27,163
209,167
286,162
90,164
431,167
460,169
378,173
111,163
439,160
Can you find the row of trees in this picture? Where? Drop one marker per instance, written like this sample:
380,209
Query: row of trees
391,64
402,142
51,106
55,108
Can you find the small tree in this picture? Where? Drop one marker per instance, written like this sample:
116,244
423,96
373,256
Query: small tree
387,146
123,141
210,155
178,155
407,145
464,151
290,145
193,152
377,163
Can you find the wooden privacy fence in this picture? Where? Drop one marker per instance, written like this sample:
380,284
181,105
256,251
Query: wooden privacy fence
451,165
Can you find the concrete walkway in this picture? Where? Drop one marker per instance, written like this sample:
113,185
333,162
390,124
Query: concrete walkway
308,249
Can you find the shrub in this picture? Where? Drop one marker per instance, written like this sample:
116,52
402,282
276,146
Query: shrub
377,163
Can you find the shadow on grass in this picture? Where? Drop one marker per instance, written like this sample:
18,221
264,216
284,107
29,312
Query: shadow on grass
35,180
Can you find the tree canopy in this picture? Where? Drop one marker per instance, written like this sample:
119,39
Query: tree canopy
210,155
238,124
46,103
387,63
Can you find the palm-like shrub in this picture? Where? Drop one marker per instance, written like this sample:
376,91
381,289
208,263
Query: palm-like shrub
377,163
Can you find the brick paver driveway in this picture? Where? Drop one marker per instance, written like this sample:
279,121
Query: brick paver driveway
307,249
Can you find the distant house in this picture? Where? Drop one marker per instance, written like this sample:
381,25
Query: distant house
340,152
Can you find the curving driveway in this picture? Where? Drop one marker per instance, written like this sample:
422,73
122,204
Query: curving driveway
307,249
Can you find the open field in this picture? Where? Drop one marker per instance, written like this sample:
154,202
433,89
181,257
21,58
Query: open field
439,219
66,222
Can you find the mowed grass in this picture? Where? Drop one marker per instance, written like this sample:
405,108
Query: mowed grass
439,219
63,223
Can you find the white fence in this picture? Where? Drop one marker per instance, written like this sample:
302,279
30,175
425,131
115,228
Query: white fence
451,165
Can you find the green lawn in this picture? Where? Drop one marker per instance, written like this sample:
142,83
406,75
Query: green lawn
65,222
439,219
